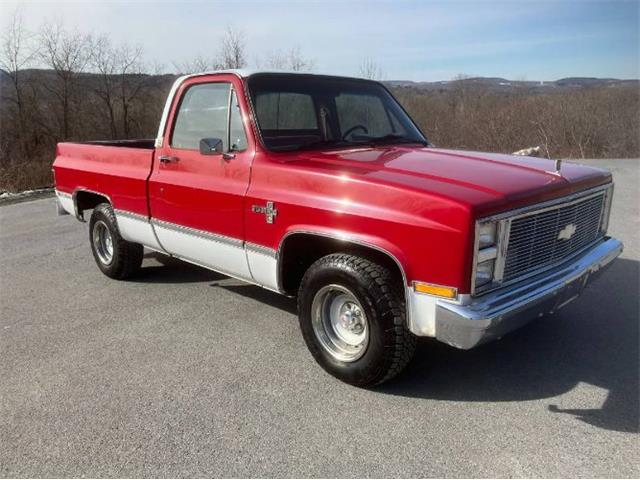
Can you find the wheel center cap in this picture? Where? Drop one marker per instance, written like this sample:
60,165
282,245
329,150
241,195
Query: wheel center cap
350,321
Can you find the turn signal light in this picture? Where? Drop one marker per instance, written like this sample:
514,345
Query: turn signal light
437,290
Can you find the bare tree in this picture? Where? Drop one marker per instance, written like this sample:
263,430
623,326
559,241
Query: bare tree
275,59
233,49
132,81
298,63
122,79
103,59
17,52
289,60
195,65
67,54
370,69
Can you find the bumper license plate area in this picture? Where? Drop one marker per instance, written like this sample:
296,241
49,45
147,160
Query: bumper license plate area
571,291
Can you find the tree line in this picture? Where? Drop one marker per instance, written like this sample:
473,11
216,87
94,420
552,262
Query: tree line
593,122
87,87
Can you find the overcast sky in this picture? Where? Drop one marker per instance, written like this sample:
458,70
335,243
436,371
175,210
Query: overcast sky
542,40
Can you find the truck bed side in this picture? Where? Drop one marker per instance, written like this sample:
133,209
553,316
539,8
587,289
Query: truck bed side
117,170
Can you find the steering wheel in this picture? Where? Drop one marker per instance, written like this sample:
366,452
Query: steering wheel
353,129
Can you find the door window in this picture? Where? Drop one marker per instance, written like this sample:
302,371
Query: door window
203,113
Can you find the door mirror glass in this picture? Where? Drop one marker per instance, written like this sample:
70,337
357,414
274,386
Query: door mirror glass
211,146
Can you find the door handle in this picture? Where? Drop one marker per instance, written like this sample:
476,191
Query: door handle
167,159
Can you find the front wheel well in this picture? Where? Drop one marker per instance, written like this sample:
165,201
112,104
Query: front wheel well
301,250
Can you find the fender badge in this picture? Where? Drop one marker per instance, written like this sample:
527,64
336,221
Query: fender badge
269,211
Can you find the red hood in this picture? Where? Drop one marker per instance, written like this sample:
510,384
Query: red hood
484,181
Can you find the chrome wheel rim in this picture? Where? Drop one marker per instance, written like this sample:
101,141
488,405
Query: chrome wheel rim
103,242
339,323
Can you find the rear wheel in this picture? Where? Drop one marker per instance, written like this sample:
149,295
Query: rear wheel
115,257
352,316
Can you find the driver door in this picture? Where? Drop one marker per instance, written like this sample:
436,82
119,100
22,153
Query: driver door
196,200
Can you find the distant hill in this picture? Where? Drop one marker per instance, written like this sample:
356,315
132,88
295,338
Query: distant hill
47,75
491,83
503,84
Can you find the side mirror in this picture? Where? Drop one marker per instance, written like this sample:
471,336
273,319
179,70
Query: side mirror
211,146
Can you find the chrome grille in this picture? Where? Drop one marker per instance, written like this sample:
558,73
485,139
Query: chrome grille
535,239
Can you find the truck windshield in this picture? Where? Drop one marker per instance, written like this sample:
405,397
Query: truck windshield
296,112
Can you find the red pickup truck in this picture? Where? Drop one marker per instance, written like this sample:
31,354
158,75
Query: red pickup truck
323,188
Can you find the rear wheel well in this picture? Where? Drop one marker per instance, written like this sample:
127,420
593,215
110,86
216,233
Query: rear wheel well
84,200
299,251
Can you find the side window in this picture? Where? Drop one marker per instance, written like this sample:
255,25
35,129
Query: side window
202,114
237,133
286,111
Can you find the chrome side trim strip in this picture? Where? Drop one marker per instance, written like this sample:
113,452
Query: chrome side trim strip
132,215
137,228
234,242
261,249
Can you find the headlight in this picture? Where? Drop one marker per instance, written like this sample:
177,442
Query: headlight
487,235
486,255
484,272
604,224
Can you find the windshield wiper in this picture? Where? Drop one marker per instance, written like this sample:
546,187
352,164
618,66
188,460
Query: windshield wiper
394,138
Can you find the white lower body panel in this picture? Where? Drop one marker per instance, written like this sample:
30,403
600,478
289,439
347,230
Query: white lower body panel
137,228
263,263
421,313
223,254
65,201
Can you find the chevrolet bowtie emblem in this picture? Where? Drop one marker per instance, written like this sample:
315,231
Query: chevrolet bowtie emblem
567,232
269,211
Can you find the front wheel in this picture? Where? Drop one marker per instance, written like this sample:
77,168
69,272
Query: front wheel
352,316
116,257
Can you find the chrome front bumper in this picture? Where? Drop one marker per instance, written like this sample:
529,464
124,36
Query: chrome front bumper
492,315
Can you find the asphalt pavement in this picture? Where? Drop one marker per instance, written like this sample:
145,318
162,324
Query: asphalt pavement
182,372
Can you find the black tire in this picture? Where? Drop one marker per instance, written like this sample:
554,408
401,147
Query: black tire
126,257
390,344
